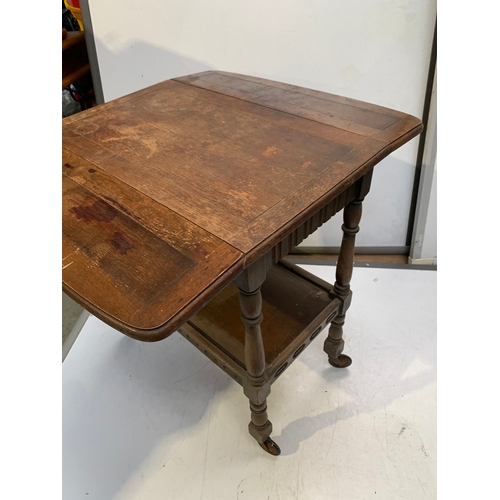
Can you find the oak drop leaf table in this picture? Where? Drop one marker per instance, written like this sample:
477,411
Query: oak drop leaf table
181,201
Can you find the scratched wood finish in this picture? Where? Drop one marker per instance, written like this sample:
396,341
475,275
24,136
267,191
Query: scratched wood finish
346,120
171,191
239,169
133,262
218,167
341,112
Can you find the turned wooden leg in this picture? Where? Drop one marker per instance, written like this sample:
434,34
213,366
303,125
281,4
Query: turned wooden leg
260,427
334,343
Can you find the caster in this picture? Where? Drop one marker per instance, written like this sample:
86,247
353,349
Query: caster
343,361
271,447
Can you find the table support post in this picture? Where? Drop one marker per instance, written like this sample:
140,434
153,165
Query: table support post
334,343
256,387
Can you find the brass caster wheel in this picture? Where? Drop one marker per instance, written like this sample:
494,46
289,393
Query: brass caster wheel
271,447
343,361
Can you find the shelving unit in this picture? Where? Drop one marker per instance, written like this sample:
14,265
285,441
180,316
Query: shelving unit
75,60
296,306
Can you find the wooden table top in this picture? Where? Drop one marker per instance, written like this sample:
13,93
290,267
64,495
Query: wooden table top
169,192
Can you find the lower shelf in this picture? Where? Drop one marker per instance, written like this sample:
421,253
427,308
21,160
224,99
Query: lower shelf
296,307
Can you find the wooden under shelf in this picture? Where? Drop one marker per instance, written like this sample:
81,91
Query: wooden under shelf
296,307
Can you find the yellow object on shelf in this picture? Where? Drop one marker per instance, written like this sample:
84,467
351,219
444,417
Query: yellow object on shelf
76,13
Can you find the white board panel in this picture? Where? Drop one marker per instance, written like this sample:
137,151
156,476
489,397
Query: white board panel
376,51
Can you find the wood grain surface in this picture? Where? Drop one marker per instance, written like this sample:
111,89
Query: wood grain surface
131,261
171,190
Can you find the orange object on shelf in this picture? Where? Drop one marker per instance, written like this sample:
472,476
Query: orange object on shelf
74,7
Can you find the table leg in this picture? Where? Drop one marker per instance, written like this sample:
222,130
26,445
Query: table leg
256,388
334,343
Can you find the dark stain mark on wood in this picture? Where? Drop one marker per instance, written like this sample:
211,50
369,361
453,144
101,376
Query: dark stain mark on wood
99,211
68,165
122,243
92,170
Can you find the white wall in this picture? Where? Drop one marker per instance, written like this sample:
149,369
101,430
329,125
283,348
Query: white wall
429,243
373,50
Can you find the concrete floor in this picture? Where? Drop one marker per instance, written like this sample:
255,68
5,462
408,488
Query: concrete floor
160,421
